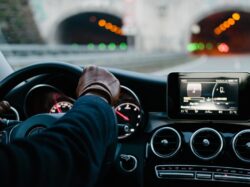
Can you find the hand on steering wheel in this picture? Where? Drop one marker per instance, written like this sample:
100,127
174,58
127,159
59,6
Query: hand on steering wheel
4,106
93,80
97,81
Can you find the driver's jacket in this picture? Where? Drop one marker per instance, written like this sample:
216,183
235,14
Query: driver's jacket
72,153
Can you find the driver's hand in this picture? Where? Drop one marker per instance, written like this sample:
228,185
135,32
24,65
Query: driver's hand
98,81
4,106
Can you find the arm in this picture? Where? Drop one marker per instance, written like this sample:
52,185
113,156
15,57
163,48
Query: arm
69,154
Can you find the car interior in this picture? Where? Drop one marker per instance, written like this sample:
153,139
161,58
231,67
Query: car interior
182,114
187,128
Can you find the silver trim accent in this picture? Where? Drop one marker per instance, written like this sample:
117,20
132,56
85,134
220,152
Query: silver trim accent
206,129
181,174
169,155
234,149
16,113
132,93
231,177
11,131
146,150
135,166
207,166
204,175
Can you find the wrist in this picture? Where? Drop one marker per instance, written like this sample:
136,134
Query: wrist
97,94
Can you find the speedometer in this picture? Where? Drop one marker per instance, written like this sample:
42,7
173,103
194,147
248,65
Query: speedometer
44,98
61,107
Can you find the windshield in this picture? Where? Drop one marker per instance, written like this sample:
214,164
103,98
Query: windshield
154,37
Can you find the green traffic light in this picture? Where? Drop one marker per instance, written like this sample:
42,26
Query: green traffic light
191,47
112,46
102,46
90,46
123,46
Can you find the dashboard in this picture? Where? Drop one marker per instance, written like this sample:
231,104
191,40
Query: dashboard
184,129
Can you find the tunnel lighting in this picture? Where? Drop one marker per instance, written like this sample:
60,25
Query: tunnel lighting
108,26
217,31
231,21
191,47
196,29
123,46
223,48
227,24
101,22
222,27
201,46
75,45
102,46
90,46
236,16
114,28
119,31
209,46
112,46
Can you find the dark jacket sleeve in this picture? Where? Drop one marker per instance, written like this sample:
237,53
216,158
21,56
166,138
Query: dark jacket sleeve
69,154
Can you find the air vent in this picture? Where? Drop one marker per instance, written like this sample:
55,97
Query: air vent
165,142
241,145
206,143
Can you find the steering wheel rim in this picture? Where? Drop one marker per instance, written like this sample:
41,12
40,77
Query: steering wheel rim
7,84
47,120
23,74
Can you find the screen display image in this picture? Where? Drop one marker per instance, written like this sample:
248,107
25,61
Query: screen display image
209,96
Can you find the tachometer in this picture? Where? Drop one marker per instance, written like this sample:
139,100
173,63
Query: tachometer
128,112
61,107
129,118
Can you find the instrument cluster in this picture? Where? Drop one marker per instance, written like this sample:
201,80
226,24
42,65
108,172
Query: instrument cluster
45,98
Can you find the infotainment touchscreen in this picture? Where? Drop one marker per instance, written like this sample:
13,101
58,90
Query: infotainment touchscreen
209,96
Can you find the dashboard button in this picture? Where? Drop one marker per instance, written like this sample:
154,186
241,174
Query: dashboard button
172,174
229,177
200,175
128,163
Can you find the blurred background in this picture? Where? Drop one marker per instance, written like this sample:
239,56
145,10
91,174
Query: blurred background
140,35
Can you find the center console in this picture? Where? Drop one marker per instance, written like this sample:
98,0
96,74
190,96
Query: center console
200,151
207,136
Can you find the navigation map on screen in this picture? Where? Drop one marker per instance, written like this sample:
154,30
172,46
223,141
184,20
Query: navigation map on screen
209,96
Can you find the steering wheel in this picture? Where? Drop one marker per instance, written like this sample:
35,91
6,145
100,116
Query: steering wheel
34,124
